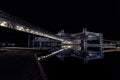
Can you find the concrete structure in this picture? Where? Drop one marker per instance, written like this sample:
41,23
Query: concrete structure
85,45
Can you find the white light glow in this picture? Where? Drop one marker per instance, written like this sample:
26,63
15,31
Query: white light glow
20,28
29,30
69,46
4,24
53,53
90,36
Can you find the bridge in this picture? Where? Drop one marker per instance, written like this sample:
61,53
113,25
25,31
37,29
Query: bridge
85,45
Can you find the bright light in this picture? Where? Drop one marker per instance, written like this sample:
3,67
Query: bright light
66,46
69,46
36,32
20,28
4,24
38,58
90,36
90,54
27,30
32,31
69,42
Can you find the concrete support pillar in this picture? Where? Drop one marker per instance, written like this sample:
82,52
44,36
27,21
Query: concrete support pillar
28,40
101,48
33,41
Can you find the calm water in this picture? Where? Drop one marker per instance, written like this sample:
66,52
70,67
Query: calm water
23,67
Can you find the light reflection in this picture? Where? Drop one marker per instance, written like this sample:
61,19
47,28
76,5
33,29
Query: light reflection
53,53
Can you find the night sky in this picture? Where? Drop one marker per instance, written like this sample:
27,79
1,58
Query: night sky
97,16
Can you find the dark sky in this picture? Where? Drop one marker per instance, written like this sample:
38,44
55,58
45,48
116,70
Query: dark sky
98,16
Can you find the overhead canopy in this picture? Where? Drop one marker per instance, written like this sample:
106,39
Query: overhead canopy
9,21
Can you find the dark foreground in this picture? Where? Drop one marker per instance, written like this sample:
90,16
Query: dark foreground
14,66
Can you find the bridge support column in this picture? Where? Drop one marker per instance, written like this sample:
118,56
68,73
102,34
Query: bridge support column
101,48
40,44
28,40
33,41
